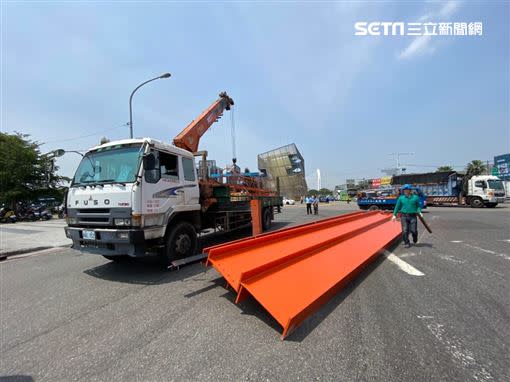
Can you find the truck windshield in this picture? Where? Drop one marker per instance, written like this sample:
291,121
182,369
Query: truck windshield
495,184
111,165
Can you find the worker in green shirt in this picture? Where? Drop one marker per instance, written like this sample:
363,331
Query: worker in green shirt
408,205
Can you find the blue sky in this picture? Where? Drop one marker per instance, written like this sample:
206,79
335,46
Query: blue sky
296,71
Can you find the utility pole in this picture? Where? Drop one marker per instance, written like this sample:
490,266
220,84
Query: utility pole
399,168
318,179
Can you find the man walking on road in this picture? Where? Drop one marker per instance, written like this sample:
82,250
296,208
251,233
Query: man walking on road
308,201
408,205
315,203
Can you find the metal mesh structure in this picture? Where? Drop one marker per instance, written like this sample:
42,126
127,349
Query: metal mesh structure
286,167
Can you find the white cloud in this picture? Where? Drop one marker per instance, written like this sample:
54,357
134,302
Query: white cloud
419,46
422,45
448,9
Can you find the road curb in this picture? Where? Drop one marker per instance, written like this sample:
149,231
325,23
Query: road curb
5,255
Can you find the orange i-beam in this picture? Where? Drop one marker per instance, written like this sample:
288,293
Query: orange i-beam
292,272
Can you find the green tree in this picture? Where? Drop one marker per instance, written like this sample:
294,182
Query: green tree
475,167
325,192
313,192
25,173
444,168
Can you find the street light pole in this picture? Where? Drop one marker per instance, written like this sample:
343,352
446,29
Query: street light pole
165,75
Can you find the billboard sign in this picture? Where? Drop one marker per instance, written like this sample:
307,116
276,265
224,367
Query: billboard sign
502,163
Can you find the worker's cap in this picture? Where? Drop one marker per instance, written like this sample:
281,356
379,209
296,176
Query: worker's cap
407,187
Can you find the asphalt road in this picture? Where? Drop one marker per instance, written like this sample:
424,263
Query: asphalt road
66,316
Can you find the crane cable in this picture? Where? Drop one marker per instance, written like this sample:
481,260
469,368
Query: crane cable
233,134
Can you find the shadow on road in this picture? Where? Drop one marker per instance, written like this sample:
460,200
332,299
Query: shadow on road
423,245
16,378
149,271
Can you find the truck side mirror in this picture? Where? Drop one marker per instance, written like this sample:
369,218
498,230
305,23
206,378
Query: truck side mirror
152,171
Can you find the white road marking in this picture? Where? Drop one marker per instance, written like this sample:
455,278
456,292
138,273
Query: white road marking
507,240
407,268
456,349
456,241
506,257
451,259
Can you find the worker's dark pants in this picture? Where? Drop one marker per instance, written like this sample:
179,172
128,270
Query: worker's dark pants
409,226
315,209
308,208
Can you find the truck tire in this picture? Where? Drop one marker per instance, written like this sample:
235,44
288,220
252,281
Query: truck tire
373,207
266,219
180,242
476,202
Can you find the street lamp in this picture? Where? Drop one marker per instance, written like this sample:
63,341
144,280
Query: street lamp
165,75
60,152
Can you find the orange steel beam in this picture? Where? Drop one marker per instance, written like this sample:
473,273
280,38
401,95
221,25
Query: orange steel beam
284,232
292,272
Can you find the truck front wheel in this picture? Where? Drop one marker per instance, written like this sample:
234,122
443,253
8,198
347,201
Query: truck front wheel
180,242
476,202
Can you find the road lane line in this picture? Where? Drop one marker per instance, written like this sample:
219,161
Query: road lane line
506,257
458,352
407,268
450,259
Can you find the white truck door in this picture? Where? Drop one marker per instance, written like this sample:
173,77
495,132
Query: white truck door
168,191
190,182
479,189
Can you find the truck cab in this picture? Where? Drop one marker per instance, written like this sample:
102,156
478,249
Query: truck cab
125,193
485,190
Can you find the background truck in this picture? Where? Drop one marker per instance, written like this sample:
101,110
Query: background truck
385,199
136,197
343,196
448,188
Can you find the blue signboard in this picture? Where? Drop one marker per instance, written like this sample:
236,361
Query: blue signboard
502,163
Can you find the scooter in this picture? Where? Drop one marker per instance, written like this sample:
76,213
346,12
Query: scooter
43,212
61,211
27,213
7,215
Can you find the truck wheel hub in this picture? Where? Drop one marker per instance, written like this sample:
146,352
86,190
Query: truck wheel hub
182,244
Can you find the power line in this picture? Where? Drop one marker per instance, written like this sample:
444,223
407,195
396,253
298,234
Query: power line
86,136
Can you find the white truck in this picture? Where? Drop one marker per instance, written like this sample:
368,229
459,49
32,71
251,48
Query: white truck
452,188
485,190
136,197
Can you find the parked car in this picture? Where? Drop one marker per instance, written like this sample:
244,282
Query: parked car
289,201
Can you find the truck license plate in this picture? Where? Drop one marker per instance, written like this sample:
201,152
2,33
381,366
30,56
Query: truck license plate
89,235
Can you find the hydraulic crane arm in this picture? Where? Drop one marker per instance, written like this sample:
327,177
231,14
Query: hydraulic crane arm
189,138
